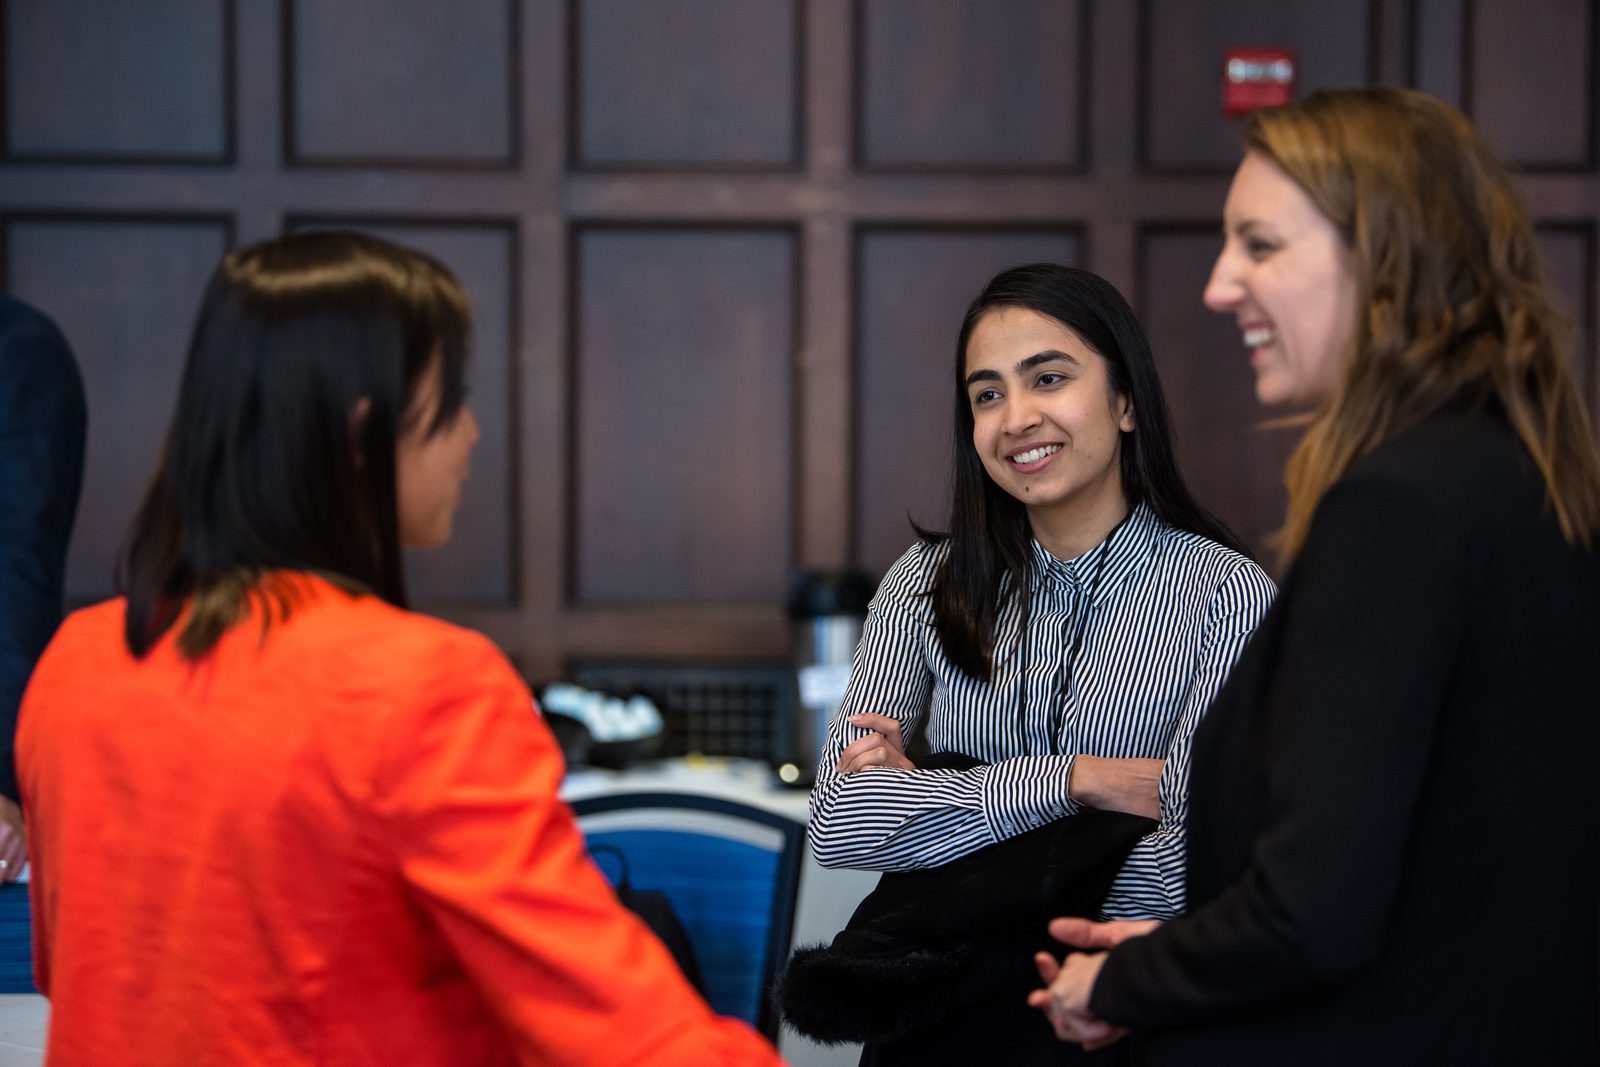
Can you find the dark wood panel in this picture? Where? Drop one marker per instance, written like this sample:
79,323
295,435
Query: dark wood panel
1438,48
1569,257
400,82
683,437
103,81
1531,80
913,287
1181,75
479,563
686,83
395,92
125,293
1233,464
972,84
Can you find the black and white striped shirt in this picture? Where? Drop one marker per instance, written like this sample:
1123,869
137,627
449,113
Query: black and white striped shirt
1171,612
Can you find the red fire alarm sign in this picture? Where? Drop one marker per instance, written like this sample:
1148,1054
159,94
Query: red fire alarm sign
1256,77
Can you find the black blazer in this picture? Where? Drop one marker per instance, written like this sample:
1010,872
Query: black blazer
42,425
1392,850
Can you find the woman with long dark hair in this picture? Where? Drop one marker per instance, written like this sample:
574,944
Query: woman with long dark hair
1389,861
273,816
1067,631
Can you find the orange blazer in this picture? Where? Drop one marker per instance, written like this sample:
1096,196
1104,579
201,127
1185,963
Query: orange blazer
332,841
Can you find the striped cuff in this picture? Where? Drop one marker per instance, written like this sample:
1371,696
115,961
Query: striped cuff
1027,792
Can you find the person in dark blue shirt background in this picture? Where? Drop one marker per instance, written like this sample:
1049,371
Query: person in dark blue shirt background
43,420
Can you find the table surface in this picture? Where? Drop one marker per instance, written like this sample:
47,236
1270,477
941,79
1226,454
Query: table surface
23,1020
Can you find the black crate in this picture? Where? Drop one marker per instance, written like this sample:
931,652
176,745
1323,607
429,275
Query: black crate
711,709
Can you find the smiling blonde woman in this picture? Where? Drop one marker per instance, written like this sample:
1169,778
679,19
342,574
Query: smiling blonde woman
1389,859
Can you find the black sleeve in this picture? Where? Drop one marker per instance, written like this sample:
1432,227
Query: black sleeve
42,427
1371,622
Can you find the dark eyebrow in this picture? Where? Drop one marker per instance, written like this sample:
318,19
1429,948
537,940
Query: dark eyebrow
1046,356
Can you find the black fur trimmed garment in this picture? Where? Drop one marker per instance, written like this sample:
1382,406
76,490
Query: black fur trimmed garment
926,944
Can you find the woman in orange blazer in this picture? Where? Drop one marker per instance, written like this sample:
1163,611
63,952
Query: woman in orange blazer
273,816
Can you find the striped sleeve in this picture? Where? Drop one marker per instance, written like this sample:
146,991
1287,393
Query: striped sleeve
1151,883
884,819
1118,656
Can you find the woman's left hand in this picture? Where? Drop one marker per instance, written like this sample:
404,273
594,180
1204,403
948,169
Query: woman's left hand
1071,982
881,748
1066,1002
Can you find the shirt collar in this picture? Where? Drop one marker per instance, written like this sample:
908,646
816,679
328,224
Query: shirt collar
1128,545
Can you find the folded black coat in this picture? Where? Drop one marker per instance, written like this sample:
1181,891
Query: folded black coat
928,941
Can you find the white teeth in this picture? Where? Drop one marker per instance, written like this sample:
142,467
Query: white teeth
1035,455
1258,336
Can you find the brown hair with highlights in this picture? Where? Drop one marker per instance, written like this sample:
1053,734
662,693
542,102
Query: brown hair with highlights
1455,305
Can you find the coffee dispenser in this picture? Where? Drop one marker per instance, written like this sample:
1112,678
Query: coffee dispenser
826,610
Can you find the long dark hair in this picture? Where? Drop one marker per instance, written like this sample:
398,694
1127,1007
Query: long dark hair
267,466
990,557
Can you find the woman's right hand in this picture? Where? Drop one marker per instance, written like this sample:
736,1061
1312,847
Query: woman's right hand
1130,785
881,748
13,840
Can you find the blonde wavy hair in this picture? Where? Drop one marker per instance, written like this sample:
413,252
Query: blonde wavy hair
1453,300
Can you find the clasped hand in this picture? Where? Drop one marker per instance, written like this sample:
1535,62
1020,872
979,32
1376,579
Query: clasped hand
1071,982
881,748
1130,785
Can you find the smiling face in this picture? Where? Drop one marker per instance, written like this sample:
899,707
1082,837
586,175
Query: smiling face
1046,423
1289,278
429,470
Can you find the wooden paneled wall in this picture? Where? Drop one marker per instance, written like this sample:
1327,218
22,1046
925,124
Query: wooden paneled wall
718,249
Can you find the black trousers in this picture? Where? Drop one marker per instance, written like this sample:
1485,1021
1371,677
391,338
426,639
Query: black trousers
1002,1030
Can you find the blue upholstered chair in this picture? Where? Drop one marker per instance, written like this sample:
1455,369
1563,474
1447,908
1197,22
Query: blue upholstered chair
731,872
16,940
